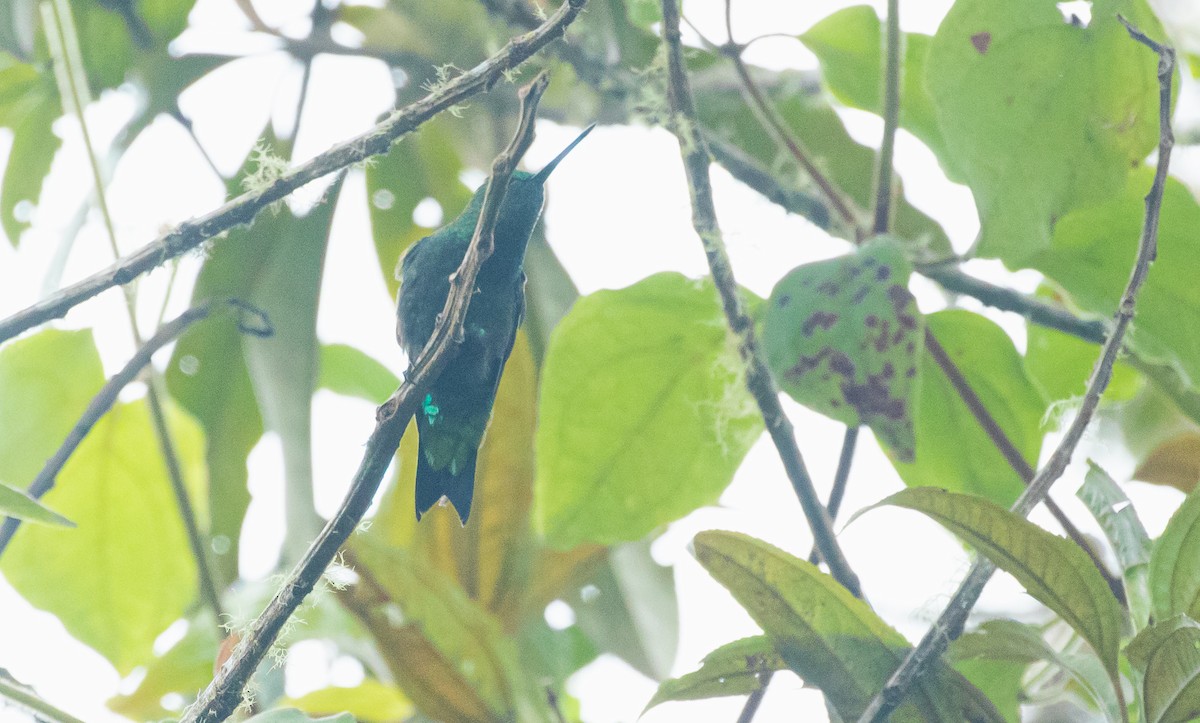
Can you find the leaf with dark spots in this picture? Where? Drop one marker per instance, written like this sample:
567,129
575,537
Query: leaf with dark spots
818,320
982,41
837,343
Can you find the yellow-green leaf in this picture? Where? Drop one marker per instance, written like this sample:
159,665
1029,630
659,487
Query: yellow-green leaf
1052,569
736,668
643,413
1175,564
827,636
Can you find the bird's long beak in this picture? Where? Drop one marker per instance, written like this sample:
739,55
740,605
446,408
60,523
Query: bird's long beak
543,174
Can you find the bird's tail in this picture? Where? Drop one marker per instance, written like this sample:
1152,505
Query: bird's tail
454,482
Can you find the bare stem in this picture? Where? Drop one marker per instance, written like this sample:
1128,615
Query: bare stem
881,212
223,695
758,377
841,478
27,699
950,623
755,699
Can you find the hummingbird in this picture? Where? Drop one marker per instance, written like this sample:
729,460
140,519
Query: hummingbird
455,412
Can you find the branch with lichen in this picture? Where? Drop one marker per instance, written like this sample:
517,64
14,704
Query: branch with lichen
244,208
759,380
950,623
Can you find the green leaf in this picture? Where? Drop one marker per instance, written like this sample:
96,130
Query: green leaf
1000,681
1052,569
1034,143
31,106
349,371
185,668
1060,364
810,117
1094,249
735,668
1007,641
1119,520
953,451
1168,656
456,630
109,587
643,414
844,338
1175,564
283,367
849,46
370,700
47,380
828,637
628,607
424,165
15,503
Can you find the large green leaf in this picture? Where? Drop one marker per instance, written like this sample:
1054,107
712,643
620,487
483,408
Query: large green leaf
46,381
284,367
1119,520
1094,249
1175,564
844,337
628,607
350,371
1167,654
1060,365
29,104
828,637
126,572
953,451
643,413
1052,569
849,45
1040,115
1018,644
736,668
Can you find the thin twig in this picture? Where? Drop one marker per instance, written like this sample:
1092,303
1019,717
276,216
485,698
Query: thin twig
758,377
24,697
224,693
950,623
1005,299
1001,441
881,211
842,204
244,208
64,43
755,699
841,478
107,396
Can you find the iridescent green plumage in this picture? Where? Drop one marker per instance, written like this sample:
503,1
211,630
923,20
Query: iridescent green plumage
456,411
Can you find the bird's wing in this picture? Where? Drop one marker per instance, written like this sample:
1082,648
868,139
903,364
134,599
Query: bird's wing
409,254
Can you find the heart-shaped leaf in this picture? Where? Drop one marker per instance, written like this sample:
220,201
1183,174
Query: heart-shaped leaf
844,338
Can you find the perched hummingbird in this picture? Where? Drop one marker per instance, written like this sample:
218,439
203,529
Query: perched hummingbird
457,408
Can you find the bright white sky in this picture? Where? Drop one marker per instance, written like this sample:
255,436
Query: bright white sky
908,565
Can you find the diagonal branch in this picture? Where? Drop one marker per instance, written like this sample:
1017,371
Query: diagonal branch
952,619
107,396
758,377
224,694
244,208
